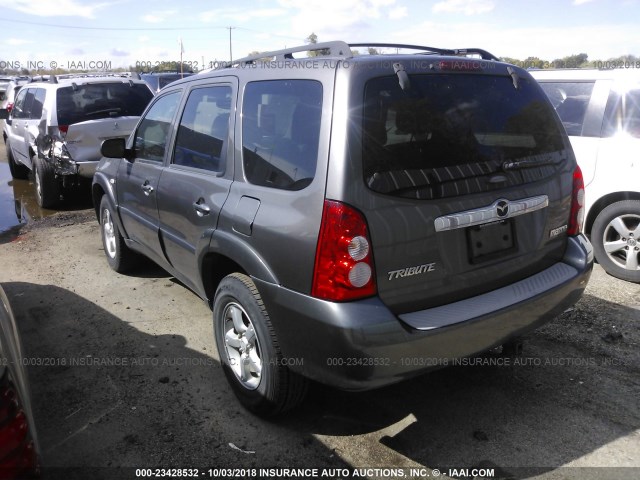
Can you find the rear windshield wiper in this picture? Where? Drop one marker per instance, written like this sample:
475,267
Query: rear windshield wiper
533,161
113,112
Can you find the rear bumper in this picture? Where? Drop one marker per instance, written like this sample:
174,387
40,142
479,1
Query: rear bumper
87,169
362,345
69,167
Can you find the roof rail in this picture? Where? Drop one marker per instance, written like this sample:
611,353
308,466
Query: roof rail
39,78
67,76
431,50
158,72
337,48
477,51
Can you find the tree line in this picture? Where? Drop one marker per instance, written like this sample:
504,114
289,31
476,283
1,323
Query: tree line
581,60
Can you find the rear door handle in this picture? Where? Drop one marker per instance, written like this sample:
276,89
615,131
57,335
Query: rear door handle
146,188
201,208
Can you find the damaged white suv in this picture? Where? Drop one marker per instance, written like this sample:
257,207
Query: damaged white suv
55,128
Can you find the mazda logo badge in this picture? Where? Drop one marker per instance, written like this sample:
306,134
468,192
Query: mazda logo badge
502,208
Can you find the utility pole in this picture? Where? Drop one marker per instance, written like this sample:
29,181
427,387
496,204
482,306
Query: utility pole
230,50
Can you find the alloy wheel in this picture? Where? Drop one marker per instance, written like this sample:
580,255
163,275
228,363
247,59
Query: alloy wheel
621,241
242,346
109,233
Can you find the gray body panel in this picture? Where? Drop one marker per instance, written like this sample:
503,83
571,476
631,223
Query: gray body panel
362,345
403,231
185,228
137,198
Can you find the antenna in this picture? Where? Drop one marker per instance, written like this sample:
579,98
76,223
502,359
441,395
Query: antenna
230,50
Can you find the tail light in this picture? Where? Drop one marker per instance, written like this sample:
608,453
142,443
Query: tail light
9,107
18,457
63,129
344,262
577,204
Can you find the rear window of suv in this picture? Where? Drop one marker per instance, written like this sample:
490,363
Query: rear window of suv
79,103
449,134
281,132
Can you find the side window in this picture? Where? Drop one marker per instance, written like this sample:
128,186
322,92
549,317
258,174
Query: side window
203,129
153,131
38,103
20,108
570,99
280,132
623,114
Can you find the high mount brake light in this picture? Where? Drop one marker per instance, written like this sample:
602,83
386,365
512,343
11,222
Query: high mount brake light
462,65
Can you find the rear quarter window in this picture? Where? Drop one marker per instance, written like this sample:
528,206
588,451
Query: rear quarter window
38,103
280,132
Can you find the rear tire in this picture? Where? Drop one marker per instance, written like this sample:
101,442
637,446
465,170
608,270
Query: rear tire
249,352
119,256
18,171
616,240
47,185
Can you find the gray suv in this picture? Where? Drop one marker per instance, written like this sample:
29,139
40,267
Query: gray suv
354,220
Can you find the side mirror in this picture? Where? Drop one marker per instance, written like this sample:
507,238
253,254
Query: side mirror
4,113
114,148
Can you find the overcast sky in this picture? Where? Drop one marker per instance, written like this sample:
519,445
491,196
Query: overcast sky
124,32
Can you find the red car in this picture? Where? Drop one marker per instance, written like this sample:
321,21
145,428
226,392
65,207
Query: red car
19,453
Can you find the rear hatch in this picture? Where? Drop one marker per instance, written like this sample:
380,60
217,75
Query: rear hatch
88,113
467,181
83,140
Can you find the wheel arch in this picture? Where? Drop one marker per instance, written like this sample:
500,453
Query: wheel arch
229,254
603,203
99,188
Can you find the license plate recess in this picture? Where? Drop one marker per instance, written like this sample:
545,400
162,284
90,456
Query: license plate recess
490,239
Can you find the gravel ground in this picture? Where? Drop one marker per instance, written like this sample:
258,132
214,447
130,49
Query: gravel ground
124,374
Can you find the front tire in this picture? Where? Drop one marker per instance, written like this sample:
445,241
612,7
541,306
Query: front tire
47,185
249,352
119,256
616,239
